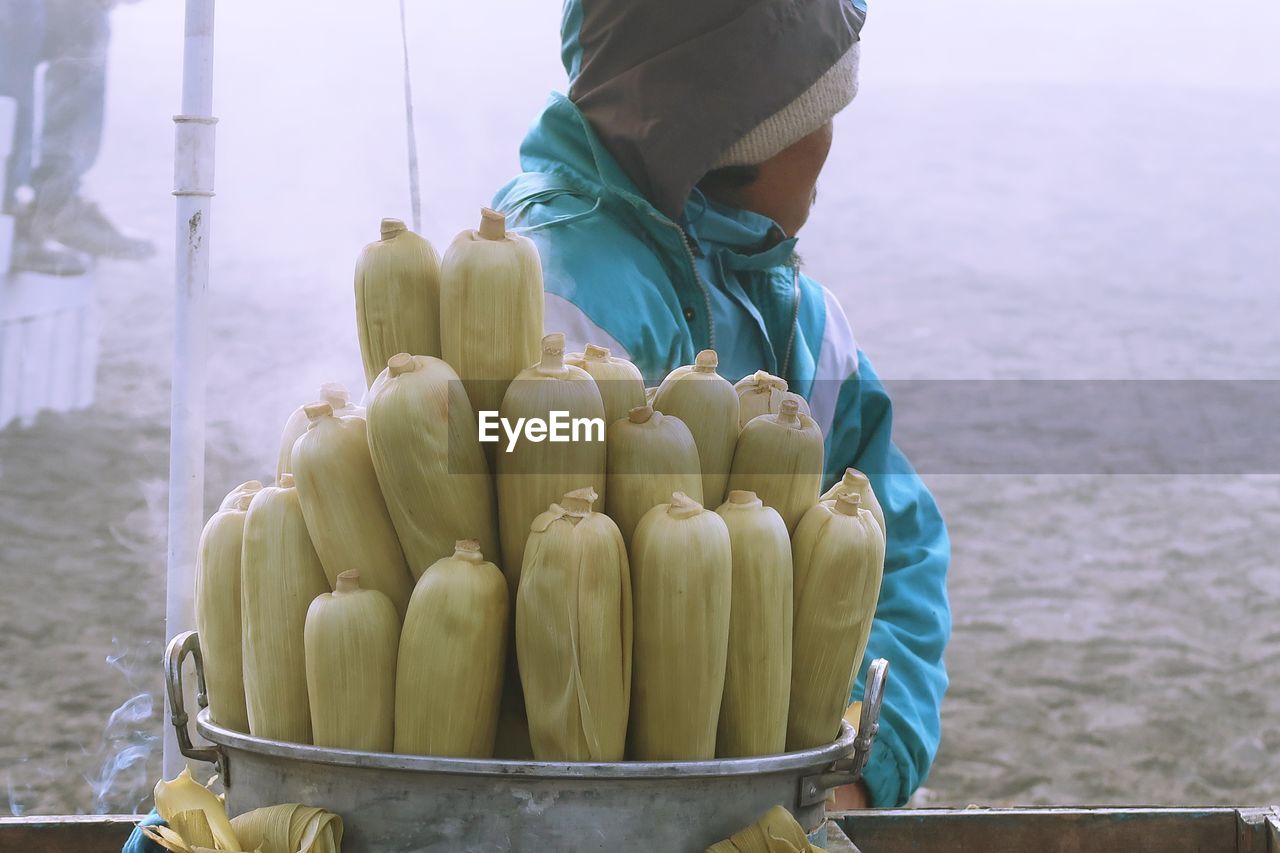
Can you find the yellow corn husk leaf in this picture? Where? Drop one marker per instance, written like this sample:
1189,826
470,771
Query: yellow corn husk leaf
757,683
426,452
352,636
290,828
343,505
649,394
218,613
452,658
533,475
281,575
184,794
854,482
681,578
838,552
620,383
708,406
166,838
779,457
491,308
775,832
333,393
397,297
193,827
762,393
573,633
249,487
650,456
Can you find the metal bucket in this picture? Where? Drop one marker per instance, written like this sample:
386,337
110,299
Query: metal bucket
406,802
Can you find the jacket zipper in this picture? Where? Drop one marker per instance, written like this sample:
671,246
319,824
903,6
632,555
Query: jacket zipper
795,316
693,268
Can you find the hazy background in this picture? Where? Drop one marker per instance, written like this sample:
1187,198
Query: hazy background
1021,190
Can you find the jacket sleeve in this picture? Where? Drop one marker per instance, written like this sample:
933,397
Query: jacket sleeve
913,617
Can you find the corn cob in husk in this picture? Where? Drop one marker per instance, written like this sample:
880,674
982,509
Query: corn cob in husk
218,613
708,405
620,383
351,638
777,831
650,455
343,505
397,298
762,393
249,487
779,457
681,576
573,633
533,475
281,575
490,308
838,552
855,482
757,682
452,658
289,828
426,452
333,393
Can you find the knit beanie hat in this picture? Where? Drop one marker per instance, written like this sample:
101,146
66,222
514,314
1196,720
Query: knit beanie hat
811,110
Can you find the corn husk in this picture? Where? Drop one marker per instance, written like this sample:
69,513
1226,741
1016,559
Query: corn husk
855,482
426,452
757,682
333,393
779,457
708,406
452,658
343,505
351,637
775,832
490,308
838,552
573,633
649,394
650,455
289,828
218,613
249,487
533,475
397,297
681,577
281,575
761,393
620,383
177,798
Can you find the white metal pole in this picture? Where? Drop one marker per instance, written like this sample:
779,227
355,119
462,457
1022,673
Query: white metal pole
193,186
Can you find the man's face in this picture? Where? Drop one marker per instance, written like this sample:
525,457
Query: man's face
788,182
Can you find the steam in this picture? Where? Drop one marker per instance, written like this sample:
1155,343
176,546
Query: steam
128,754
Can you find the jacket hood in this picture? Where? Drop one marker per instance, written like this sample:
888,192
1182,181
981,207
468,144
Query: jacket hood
668,86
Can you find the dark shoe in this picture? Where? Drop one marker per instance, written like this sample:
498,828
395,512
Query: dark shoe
41,256
81,225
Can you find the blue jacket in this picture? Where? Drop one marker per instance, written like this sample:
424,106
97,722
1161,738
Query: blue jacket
620,274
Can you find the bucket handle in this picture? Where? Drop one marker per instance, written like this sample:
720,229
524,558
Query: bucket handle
182,645
846,771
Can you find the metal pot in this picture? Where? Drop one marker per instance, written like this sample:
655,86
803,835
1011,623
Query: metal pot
407,802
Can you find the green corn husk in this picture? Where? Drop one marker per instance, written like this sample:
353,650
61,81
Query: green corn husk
761,393
490,308
573,633
757,683
397,297
289,828
333,393
854,482
452,658
708,406
249,487
620,383
342,502
426,452
681,577
218,613
779,457
838,552
650,455
351,639
281,575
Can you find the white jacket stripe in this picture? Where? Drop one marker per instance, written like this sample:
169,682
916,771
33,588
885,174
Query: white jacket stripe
837,361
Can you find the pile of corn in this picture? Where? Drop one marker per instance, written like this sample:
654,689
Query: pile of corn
674,588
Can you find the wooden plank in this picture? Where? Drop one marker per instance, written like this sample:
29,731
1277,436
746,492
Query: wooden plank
1043,830
66,833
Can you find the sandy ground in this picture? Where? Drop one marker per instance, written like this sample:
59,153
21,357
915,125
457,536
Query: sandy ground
1113,636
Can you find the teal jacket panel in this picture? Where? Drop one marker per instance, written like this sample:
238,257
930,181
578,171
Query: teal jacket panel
620,274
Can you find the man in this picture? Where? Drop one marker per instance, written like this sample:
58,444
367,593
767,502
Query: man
664,195
55,226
